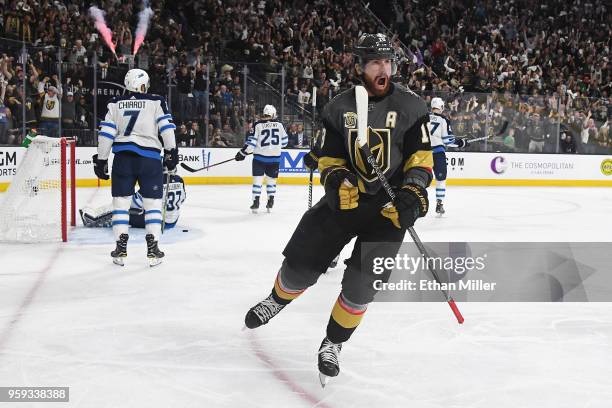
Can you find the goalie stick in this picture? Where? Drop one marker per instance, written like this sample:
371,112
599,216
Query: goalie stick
361,100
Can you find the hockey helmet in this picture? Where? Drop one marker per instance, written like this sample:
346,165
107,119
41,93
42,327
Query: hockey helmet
269,111
437,103
375,46
137,80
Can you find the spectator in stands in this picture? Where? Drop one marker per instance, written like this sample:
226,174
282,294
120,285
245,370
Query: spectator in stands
5,113
218,140
509,141
292,136
83,113
567,144
50,112
182,137
184,87
195,134
68,111
199,89
461,47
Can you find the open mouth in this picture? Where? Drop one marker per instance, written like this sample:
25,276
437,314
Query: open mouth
381,81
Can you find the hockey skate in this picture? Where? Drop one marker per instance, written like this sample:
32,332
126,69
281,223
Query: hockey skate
153,253
262,312
120,251
270,203
328,361
439,208
255,206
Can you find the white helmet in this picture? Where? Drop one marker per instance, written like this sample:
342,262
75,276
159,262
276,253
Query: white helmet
269,111
137,80
437,103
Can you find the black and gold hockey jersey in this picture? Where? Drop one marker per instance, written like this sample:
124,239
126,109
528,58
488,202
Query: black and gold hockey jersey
398,137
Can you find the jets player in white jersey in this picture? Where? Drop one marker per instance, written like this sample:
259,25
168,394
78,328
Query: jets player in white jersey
265,141
103,216
130,129
441,135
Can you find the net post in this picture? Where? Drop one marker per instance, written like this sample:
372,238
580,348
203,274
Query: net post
63,189
73,182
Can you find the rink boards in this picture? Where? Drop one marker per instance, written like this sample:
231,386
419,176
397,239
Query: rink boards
464,168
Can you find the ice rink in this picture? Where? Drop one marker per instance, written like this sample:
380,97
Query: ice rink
171,336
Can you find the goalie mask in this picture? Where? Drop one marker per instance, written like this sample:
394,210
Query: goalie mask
374,46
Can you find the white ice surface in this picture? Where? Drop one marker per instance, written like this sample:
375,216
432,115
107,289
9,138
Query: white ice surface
171,336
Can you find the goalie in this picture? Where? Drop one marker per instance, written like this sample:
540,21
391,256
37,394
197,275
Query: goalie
103,216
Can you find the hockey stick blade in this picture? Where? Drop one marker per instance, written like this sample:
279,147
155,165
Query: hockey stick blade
191,169
361,103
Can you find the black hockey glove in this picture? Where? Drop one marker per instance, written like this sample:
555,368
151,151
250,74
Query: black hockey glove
410,203
171,159
100,167
310,161
240,155
340,188
461,143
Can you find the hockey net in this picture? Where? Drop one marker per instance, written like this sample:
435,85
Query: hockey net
40,201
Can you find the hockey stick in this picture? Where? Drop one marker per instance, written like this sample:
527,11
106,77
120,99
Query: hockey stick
313,139
361,100
192,170
310,189
501,131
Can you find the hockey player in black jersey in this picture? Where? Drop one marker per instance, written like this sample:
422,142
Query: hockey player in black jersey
355,204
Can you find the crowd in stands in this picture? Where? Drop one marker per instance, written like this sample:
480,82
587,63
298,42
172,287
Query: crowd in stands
533,76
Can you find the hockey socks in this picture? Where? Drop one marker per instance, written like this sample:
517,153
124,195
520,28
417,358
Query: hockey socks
282,292
440,189
344,319
121,215
153,216
257,182
265,310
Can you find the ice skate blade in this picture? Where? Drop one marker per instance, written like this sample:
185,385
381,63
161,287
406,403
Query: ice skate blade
118,261
323,379
269,210
254,211
154,261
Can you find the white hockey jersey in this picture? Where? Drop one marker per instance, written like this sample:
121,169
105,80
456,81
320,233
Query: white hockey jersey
440,132
266,140
176,197
133,123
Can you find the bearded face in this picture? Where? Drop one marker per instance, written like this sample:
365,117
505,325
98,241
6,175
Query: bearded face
377,76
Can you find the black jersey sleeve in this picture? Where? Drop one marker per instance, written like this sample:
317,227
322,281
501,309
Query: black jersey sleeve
418,159
332,152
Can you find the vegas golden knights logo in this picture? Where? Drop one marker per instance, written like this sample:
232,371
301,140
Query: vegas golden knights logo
379,141
50,104
350,120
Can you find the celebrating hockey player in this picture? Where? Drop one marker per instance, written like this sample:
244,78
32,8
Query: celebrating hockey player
355,204
265,141
131,129
441,136
102,216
